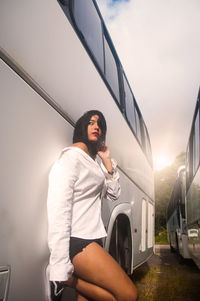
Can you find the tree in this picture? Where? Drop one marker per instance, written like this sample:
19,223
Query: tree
164,182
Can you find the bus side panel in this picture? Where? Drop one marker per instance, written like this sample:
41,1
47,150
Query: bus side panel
193,219
32,135
56,60
132,195
143,228
172,228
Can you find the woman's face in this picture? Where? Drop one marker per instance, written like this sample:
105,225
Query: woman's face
94,130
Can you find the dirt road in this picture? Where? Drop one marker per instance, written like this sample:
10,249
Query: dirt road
163,278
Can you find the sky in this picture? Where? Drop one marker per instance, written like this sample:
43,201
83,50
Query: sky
158,43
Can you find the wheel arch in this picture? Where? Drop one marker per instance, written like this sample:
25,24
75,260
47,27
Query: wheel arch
122,214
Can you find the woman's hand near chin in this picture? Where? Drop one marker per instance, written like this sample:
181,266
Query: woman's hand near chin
104,154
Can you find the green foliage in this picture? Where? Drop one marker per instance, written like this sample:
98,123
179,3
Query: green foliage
161,238
164,182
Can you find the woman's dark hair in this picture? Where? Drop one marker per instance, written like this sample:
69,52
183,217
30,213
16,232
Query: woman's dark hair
81,133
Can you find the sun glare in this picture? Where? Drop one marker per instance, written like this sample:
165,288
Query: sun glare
161,161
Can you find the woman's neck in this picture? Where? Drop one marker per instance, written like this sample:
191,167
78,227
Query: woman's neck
84,147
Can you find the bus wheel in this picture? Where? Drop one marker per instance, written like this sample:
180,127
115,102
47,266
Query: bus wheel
120,245
171,248
180,258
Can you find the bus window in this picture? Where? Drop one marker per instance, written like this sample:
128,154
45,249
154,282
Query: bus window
138,126
188,165
196,144
88,22
147,144
129,105
111,72
182,193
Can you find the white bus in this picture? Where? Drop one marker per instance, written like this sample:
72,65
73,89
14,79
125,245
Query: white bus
176,217
193,187
183,214
57,61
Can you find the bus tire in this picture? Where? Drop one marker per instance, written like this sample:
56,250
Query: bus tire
171,248
180,258
120,246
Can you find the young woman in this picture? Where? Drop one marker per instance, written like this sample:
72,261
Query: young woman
77,183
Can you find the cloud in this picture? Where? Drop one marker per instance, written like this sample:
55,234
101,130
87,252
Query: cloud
114,2
158,43
111,9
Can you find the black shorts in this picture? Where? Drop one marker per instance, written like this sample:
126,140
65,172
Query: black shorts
78,244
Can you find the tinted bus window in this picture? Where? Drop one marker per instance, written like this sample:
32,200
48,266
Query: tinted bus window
89,23
196,144
129,105
147,144
138,126
188,170
189,162
111,71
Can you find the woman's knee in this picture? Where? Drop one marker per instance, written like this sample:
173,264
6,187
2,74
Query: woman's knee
130,294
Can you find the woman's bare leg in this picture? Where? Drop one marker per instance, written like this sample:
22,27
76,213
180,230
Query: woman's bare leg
79,297
100,277
90,292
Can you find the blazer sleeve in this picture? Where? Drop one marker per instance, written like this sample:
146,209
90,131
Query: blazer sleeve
62,179
112,187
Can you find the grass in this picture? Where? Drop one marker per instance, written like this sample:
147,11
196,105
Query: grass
167,283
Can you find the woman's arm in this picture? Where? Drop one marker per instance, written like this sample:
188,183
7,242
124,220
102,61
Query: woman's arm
59,204
112,186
